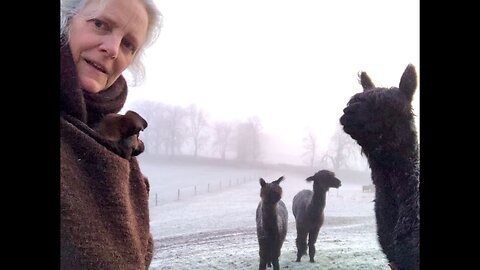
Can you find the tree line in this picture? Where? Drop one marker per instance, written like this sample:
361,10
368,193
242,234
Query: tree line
175,130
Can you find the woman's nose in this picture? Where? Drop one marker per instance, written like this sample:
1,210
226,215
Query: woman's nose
111,46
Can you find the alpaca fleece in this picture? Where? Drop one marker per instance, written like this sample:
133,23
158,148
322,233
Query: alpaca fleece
272,223
308,209
381,121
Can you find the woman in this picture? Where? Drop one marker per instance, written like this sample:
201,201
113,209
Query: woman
104,197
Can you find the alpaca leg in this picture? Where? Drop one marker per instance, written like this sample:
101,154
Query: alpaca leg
276,265
263,264
301,243
312,238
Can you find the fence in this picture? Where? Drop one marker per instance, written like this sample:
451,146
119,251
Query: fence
198,189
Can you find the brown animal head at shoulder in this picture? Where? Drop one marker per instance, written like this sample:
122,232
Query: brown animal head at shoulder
123,131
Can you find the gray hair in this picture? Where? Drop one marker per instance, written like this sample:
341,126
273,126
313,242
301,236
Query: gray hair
70,8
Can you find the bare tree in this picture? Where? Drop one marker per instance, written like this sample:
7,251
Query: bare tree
196,127
256,128
154,113
310,145
222,134
173,132
343,150
248,139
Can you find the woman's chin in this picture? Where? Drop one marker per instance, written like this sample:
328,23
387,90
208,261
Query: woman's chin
91,86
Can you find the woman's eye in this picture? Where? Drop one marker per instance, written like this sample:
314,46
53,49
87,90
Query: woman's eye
98,23
129,45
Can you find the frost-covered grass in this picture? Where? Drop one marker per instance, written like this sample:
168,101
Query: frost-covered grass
216,230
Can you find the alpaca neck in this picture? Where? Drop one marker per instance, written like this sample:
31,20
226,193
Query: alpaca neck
317,203
397,165
394,154
269,217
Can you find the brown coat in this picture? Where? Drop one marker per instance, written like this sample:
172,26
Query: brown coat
104,198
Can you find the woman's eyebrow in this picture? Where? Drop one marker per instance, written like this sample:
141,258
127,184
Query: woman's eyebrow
114,24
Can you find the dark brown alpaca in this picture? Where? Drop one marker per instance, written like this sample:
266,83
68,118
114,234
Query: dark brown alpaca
272,221
308,209
382,122
123,132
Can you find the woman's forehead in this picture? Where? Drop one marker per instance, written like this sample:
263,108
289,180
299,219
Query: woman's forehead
129,15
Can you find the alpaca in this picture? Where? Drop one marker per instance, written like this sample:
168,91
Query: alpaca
272,220
308,209
381,121
123,132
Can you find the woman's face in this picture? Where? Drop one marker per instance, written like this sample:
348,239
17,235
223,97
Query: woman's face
104,40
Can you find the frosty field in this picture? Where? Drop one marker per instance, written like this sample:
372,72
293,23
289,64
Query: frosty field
215,229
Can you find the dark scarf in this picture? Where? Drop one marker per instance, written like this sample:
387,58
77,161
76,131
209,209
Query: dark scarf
104,218
85,106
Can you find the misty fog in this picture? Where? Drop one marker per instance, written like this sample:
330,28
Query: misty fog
237,90
269,78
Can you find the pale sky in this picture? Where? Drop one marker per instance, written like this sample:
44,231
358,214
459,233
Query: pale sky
293,63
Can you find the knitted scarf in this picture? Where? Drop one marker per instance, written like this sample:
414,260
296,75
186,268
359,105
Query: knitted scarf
104,198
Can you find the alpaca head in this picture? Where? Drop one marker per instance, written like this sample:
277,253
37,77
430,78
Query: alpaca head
271,193
380,116
323,180
123,131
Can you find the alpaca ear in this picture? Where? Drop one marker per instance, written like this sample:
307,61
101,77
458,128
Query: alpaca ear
139,121
408,82
279,180
134,123
365,81
262,182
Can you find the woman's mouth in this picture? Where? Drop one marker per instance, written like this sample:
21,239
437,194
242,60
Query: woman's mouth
96,66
